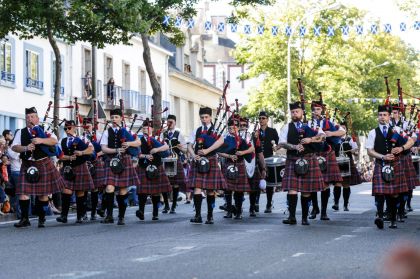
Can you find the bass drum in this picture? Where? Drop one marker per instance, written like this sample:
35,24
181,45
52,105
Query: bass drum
250,167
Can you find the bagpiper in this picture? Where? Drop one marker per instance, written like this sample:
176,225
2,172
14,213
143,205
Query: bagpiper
38,175
385,144
75,171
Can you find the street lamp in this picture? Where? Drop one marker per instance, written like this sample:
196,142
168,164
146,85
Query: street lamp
334,6
386,63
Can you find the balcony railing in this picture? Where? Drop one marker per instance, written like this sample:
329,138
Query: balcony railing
61,92
166,104
34,83
6,76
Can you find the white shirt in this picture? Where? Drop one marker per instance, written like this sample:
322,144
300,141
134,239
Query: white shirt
370,142
192,136
15,162
17,141
285,130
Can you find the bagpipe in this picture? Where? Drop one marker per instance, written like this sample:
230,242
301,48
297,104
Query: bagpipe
305,130
127,135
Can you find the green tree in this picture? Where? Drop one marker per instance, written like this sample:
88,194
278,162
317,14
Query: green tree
342,67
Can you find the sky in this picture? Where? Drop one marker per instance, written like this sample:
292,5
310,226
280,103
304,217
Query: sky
386,11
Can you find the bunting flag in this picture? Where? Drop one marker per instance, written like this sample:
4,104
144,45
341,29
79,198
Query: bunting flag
416,25
407,101
345,30
247,29
359,29
260,29
274,30
221,27
374,29
330,31
403,26
178,21
166,20
302,31
288,31
207,25
317,30
387,28
190,23
233,27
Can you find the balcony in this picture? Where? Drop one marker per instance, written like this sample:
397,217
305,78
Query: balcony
61,92
32,83
8,77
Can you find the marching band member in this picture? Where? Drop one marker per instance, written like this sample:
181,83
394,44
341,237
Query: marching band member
385,144
153,179
75,171
38,175
205,173
121,174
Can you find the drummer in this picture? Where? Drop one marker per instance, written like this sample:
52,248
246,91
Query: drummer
267,135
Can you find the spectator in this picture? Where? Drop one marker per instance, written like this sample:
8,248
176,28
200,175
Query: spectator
110,91
88,85
15,164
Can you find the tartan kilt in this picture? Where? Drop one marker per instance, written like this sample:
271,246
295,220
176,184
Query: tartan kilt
254,182
153,186
332,174
380,187
127,178
312,181
99,179
213,180
83,180
50,181
241,183
354,178
179,178
410,171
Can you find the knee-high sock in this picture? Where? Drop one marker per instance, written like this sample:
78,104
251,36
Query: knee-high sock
228,198
41,207
198,200
379,202
109,204
24,208
270,193
122,205
142,201
103,202
402,198
155,202
314,200
410,196
175,192
210,205
239,196
252,199
304,203
94,201
392,203
325,195
80,206
166,199
346,195
337,194
292,203
65,204
257,200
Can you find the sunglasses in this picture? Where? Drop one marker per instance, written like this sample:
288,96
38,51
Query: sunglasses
65,128
243,125
262,118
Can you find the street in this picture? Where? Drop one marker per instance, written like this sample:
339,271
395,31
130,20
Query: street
348,246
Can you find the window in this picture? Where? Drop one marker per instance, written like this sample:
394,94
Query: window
126,76
6,64
187,65
108,68
234,72
142,83
33,66
87,60
53,70
210,73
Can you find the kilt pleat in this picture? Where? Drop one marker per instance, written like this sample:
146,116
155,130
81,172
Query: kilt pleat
179,178
312,181
158,185
254,182
410,171
99,179
83,180
50,181
240,184
398,185
213,180
332,174
354,178
127,178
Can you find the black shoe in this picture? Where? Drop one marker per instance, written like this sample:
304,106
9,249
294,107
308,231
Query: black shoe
196,220
379,222
187,202
228,215
101,213
61,219
85,218
209,221
409,208
257,208
314,212
165,210
400,218
335,207
121,221
324,217
23,223
267,209
238,216
305,222
223,207
79,220
393,225
252,213
290,221
387,218
108,220
172,211
140,215
41,223
93,217
155,218
346,208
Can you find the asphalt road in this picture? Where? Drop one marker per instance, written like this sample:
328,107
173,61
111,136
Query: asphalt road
348,246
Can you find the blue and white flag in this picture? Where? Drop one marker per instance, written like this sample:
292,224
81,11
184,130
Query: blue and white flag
330,31
260,29
403,26
221,27
302,31
233,27
190,23
345,30
416,25
274,30
288,31
166,20
317,30
359,29
387,28
207,25
247,29
178,21
374,29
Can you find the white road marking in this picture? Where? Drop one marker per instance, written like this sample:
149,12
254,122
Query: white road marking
181,250
77,275
298,255
344,236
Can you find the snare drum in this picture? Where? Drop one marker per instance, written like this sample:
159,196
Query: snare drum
170,166
275,170
416,163
344,165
